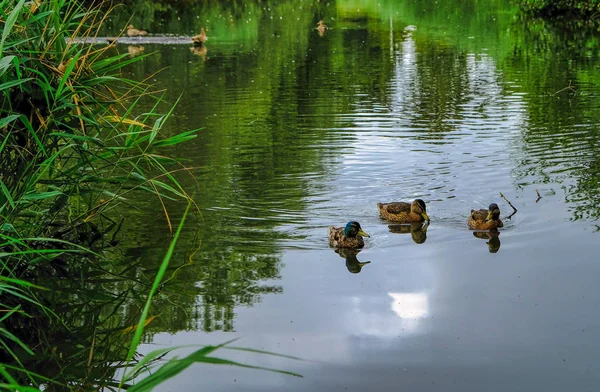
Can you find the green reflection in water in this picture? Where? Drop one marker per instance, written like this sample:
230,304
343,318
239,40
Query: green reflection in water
277,104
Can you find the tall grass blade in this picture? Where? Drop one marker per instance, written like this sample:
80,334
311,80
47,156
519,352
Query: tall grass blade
10,22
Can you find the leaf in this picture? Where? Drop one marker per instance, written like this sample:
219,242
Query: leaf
13,83
66,74
122,120
10,22
7,194
8,119
180,138
5,63
41,195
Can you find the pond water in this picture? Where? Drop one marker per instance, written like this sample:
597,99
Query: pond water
451,103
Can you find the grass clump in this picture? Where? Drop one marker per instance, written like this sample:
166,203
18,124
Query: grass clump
74,144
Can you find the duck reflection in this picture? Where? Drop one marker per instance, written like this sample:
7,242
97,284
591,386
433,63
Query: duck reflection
135,50
493,238
199,51
417,230
352,263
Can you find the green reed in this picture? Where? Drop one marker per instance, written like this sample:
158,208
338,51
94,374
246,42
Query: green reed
75,144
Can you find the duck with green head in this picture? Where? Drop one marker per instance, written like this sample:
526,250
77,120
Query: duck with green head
402,212
485,219
350,236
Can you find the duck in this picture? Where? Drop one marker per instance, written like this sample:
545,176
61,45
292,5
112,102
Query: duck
485,219
322,27
417,230
201,38
352,264
350,236
133,32
402,212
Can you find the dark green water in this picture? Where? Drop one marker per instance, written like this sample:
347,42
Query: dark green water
450,103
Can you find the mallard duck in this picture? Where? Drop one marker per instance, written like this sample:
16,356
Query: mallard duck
485,219
201,38
354,266
322,27
493,237
347,237
403,212
417,230
132,32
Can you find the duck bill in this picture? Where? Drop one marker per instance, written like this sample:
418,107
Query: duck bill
362,233
425,216
489,216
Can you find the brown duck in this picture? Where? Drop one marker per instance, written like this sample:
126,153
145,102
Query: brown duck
322,28
133,32
404,212
350,236
201,38
485,219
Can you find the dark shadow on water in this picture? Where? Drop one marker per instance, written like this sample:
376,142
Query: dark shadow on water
418,231
354,266
492,237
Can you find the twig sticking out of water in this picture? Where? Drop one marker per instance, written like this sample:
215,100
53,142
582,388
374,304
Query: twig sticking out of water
510,204
569,87
539,196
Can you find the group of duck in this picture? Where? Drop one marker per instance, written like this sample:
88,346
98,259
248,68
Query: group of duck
351,236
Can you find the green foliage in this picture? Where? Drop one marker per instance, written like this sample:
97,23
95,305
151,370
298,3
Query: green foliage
552,7
71,152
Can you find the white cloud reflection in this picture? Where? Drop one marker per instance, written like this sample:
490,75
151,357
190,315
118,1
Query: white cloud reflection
372,316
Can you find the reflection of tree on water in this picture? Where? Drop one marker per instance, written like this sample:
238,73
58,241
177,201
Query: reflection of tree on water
417,230
227,280
354,266
493,238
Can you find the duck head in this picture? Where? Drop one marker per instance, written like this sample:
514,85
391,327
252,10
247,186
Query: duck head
353,229
418,207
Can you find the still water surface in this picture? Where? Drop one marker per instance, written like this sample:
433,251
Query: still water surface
395,101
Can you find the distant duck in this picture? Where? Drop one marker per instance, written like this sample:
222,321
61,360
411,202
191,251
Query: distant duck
133,32
485,219
401,212
201,38
350,236
322,27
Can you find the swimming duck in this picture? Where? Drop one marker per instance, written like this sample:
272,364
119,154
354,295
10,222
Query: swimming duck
403,212
201,38
485,219
417,230
350,236
132,32
322,27
354,266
